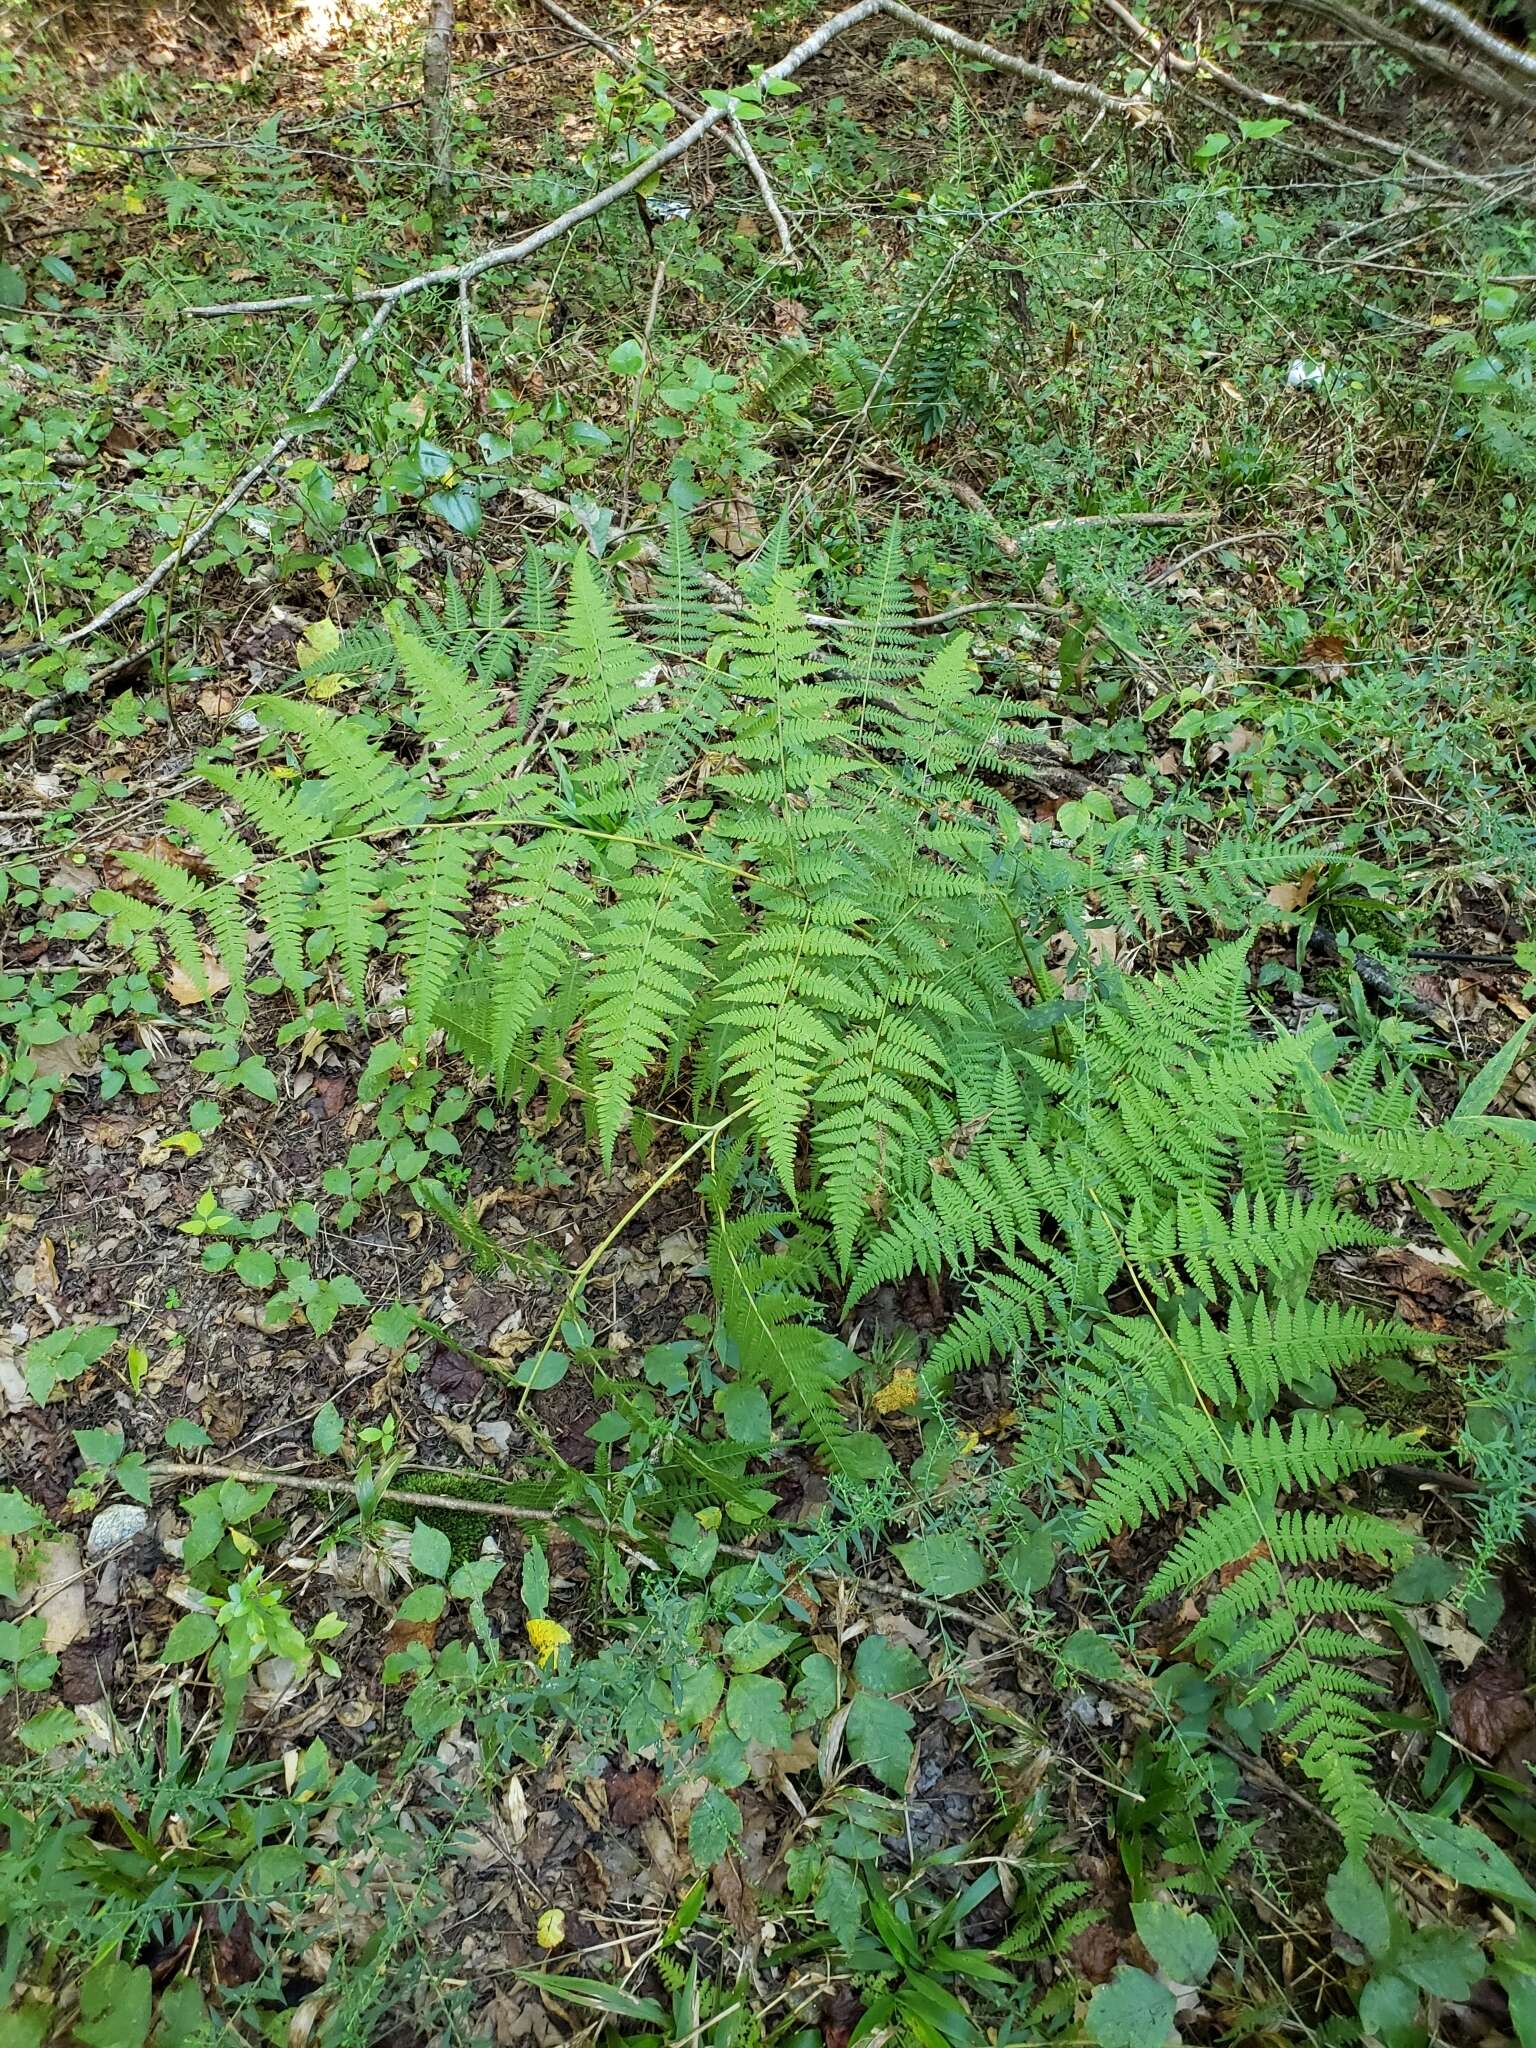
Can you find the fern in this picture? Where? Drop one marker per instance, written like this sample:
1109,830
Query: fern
766,1304
650,943
779,883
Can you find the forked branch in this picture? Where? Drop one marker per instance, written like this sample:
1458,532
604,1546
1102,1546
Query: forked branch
458,277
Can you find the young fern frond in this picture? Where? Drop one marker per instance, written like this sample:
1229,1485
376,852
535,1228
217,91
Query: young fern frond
463,720
765,1303
650,945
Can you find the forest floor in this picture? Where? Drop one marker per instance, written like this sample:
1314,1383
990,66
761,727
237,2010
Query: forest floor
1219,432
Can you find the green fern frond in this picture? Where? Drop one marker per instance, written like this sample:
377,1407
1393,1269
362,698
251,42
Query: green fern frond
431,925
367,788
464,723
546,917
351,881
650,957
764,1303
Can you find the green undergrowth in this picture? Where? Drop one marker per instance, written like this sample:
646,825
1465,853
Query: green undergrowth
1012,1581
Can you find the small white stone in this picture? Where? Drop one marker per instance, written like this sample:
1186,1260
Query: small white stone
123,1522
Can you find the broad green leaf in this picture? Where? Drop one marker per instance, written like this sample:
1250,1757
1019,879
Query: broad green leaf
328,1431
1131,2011
114,2005
753,1645
879,1737
946,1565
840,1902
1181,1943
542,1373
431,1551
1466,1855
754,1710
17,1513
424,1603
47,1730
535,1581
1360,1906
1444,1961
1094,1655
816,1688
193,1636
712,1827
1389,2009
627,360
745,1412
883,1666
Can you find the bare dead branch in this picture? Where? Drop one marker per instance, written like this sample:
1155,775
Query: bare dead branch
1477,36
1468,76
1380,145
459,276
759,178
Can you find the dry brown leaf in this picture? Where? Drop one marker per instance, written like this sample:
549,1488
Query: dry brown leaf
183,990
1293,895
57,1590
61,1059
1327,656
631,1794
738,530
122,878
1491,1709
45,1269
1446,1632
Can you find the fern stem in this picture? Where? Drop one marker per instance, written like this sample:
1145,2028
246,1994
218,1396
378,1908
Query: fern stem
584,1271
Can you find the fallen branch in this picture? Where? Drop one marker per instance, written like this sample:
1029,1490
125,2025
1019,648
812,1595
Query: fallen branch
1477,36
736,135
129,600
459,276
1202,67
1470,76
1139,1695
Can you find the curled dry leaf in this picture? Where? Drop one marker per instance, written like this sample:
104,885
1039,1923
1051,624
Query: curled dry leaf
1491,1709
185,991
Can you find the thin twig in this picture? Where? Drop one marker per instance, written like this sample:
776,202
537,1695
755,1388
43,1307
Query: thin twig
129,600
736,138
466,340
1470,76
1117,519
1226,540
759,178
1140,1697
1202,67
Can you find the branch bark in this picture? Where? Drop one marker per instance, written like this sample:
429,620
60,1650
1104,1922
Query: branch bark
736,135
437,91
1470,76
1181,66
1477,36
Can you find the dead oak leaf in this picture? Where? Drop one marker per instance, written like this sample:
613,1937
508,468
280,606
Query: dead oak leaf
1491,1709
631,1794
186,990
